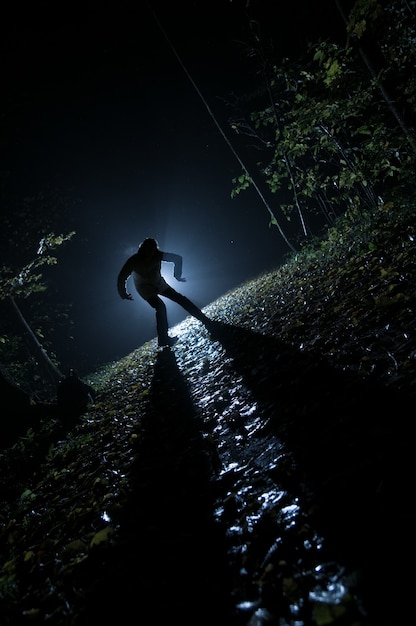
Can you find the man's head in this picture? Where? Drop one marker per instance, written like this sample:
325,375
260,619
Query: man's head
148,246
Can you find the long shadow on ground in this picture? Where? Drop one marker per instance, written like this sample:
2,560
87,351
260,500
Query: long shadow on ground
171,567
352,442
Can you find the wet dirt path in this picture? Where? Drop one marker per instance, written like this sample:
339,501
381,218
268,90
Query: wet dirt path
274,556
307,478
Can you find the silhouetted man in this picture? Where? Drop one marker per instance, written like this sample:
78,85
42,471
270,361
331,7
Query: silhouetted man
145,266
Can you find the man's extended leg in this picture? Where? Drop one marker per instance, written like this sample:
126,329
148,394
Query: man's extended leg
186,304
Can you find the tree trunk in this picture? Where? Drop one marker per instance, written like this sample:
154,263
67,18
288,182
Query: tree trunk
39,350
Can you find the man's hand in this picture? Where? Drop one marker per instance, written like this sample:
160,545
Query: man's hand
181,280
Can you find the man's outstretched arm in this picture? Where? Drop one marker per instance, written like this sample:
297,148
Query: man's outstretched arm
176,259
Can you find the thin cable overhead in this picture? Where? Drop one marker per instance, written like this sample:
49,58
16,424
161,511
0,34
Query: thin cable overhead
273,217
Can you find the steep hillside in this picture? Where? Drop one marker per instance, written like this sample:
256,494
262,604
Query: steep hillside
258,473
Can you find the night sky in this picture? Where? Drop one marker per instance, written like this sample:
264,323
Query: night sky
100,108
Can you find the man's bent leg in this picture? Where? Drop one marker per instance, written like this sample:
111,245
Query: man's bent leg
161,320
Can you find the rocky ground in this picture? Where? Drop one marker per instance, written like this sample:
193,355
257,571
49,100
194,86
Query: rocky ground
259,472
